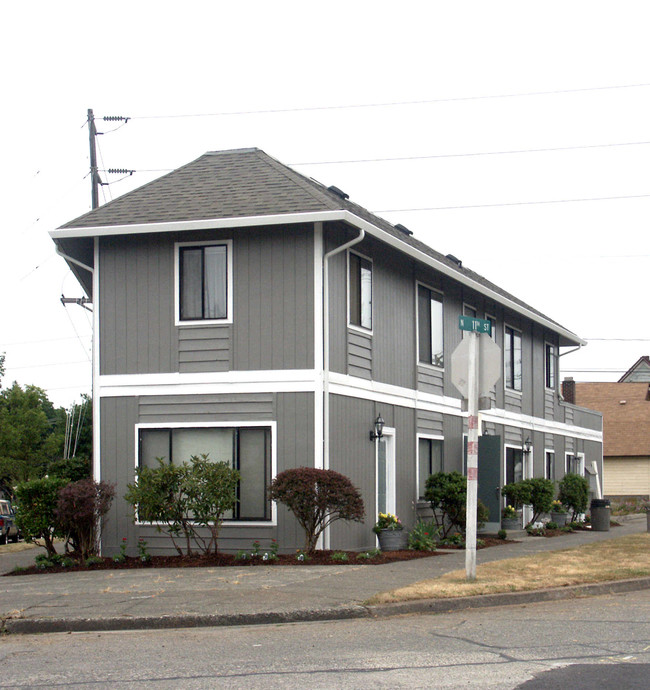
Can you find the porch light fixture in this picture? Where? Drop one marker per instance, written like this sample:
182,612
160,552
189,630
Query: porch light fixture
527,445
378,430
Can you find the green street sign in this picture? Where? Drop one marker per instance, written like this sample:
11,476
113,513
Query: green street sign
471,323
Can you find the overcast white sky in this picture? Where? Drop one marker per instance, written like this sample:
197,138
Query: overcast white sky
463,78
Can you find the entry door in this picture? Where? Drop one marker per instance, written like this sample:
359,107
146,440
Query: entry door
385,450
489,474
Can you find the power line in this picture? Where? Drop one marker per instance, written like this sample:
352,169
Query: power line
271,111
45,340
513,203
474,153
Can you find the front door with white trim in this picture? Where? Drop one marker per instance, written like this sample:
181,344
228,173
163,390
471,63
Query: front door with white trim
385,472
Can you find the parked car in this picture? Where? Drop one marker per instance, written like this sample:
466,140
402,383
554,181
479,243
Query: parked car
8,528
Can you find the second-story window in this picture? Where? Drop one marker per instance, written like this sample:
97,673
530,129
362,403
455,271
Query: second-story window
203,282
430,328
550,365
512,363
360,291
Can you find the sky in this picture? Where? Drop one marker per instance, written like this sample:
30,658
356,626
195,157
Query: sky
513,135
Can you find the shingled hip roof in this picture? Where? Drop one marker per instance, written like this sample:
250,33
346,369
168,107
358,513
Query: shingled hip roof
249,187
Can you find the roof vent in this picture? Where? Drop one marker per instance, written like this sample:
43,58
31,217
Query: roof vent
458,262
338,192
403,228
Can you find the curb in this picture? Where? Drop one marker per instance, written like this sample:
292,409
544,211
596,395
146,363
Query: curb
27,626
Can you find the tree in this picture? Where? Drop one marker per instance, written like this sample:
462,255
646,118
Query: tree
35,514
183,497
541,496
518,493
80,507
447,494
574,493
2,367
317,498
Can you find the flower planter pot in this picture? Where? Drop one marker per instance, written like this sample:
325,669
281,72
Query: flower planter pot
511,523
392,539
559,518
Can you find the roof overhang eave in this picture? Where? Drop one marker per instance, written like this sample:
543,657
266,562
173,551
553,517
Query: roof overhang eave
567,338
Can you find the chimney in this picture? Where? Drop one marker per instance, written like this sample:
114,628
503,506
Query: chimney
569,390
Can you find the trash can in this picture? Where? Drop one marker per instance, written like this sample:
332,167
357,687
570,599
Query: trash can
600,513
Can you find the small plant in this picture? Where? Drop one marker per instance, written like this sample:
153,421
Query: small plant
242,555
68,562
340,556
535,531
551,525
301,555
121,556
567,528
502,534
387,521
256,552
558,507
509,512
274,548
143,552
94,560
453,540
423,536
367,555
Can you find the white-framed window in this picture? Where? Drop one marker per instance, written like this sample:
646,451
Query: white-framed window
574,463
359,291
550,365
512,368
429,460
203,282
549,465
248,447
430,326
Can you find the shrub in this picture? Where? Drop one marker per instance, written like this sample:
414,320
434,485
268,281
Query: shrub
317,498
447,494
541,496
551,525
183,497
423,536
502,534
72,469
80,507
574,494
35,516
518,493
340,556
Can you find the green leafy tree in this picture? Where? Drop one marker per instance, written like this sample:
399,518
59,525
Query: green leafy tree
2,367
35,514
542,492
184,497
517,493
317,498
574,493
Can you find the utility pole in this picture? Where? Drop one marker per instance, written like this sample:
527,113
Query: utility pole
94,174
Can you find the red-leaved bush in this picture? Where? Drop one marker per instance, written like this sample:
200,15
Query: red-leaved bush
80,507
317,498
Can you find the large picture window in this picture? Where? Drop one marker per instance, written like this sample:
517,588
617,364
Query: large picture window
430,327
512,364
429,461
246,449
203,282
360,291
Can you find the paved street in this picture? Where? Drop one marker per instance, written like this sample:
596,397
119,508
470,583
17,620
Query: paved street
599,642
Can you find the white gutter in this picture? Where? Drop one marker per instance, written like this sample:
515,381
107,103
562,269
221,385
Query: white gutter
76,262
315,217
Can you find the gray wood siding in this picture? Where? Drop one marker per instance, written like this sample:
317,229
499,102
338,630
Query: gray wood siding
430,380
359,354
429,422
273,310
136,305
239,407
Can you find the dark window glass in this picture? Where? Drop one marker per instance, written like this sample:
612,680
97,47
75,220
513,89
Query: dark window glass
551,363
513,360
429,461
550,465
430,327
203,282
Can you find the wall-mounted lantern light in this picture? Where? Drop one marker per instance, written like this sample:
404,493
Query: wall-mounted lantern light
527,445
378,430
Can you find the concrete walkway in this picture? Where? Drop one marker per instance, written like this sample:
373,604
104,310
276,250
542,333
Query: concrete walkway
188,597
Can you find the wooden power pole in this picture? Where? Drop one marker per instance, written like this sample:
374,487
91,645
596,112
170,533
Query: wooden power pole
94,174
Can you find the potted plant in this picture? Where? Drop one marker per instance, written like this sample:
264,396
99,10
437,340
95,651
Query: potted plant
390,532
558,513
510,518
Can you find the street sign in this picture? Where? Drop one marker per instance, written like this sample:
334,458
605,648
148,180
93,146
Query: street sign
470,323
489,365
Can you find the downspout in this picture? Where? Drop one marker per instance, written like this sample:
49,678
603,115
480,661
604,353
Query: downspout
326,345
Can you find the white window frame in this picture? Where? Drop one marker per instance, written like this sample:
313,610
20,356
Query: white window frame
581,462
555,356
420,363
229,424
514,391
229,283
353,326
548,451
430,437
391,471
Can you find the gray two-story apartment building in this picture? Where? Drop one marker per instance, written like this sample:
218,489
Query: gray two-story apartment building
246,311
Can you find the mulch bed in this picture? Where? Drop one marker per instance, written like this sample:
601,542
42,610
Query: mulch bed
224,560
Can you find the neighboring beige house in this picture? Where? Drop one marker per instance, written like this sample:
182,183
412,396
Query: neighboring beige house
625,407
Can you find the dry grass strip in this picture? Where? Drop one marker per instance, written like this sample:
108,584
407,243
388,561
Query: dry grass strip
604,561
